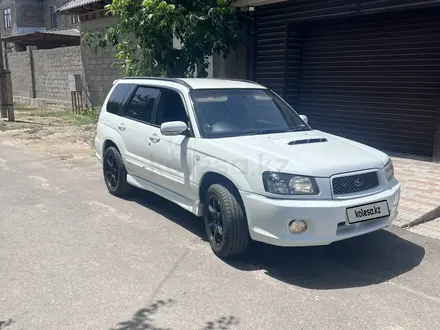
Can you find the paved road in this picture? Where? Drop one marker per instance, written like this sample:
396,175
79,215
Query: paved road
74,257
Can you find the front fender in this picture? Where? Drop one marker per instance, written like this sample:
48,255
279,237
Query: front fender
207,164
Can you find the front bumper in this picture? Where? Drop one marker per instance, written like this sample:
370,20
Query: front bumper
268,218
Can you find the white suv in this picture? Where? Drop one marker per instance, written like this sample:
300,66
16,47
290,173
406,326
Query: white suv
236,154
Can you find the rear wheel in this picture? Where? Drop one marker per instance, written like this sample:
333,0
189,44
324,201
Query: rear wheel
115,174
225,222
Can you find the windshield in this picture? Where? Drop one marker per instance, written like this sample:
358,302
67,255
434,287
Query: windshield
239,112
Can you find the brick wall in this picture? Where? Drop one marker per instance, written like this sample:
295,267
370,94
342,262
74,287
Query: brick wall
52,68
99,73
20,67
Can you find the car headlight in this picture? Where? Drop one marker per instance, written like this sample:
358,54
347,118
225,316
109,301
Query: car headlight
389,170
289,184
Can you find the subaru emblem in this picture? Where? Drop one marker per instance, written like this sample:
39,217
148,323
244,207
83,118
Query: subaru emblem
358,182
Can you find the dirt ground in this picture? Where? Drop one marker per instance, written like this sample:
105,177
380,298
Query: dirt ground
59,133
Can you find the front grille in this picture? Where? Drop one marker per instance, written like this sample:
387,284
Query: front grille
355,183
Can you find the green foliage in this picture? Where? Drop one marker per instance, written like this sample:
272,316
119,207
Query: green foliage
86,117
91,113
143,36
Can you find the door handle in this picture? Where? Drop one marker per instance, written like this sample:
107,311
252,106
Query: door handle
154,138
122,127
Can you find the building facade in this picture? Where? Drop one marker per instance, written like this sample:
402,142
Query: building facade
365,70
21,17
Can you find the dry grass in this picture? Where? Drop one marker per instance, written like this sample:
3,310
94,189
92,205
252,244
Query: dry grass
55,132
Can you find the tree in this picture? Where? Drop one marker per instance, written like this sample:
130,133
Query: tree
143,36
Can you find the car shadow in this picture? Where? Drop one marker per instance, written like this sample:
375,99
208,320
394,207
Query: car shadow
170,211
361,261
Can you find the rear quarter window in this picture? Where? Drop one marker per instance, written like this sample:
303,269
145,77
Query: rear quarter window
117,98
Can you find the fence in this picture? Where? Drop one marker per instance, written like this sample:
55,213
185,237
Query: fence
41,76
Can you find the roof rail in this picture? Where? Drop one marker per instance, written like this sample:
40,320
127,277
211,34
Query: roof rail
175,80
242,80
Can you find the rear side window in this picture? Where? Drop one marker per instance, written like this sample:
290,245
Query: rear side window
117,97
142,103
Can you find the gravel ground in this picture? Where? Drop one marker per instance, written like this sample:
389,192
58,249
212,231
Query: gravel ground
54,132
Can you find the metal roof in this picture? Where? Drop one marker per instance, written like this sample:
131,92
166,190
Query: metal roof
63,32
75,4
59,35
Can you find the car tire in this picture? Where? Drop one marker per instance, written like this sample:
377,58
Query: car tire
232,224
115,174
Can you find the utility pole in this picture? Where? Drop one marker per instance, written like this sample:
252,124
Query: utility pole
6,98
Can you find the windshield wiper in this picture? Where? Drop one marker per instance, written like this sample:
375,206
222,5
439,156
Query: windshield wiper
267,131
300,127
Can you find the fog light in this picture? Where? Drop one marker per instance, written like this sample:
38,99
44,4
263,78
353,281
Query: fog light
297,226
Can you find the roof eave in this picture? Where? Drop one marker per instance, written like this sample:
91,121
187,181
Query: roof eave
69,9
40,36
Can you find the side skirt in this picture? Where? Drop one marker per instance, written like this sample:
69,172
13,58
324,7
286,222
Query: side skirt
195,207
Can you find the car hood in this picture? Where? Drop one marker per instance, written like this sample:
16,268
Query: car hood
311,153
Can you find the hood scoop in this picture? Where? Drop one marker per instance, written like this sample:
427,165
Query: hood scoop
307,141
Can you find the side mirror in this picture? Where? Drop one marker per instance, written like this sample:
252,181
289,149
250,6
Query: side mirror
305,119
172,128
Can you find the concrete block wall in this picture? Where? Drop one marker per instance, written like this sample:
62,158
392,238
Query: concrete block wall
52,68
99,73
20,66
49,78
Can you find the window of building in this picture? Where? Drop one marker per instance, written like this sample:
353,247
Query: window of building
7,18
53,16
75,19
142,103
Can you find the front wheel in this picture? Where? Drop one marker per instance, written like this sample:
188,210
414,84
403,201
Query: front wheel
225,222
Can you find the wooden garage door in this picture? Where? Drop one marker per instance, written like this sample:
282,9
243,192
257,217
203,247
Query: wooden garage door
375,80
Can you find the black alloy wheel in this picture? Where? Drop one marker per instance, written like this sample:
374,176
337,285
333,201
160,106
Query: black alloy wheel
115,174
225,221
215,220
111,172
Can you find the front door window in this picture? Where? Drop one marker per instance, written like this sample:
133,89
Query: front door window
171,108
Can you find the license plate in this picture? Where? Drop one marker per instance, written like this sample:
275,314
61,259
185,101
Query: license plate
368,212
